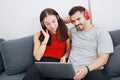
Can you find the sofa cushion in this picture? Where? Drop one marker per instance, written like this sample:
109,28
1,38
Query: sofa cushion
1,62
113,66
17,54
115,37
4,76
115,78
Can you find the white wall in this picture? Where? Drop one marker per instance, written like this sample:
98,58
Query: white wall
19,18
105,13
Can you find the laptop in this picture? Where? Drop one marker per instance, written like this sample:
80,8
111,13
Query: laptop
56,69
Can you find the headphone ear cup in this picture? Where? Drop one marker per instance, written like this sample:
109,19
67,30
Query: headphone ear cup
42,24
87,15
58,17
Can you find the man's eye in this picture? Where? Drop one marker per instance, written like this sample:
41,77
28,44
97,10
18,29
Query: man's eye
72,21
78,19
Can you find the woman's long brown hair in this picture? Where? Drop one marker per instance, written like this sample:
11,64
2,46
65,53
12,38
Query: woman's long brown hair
62,30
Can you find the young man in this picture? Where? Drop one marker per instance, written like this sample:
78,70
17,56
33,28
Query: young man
91,46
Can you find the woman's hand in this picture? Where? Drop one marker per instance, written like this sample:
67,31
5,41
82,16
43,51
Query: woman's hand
46,35
63,59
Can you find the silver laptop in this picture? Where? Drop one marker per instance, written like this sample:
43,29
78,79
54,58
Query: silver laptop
56,69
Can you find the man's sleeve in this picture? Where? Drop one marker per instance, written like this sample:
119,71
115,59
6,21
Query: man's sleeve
105,44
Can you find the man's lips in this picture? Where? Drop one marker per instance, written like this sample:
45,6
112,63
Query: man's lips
79,25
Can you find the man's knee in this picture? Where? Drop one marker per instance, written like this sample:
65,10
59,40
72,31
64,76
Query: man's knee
96,75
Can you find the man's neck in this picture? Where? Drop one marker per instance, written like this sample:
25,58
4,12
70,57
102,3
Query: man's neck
88,27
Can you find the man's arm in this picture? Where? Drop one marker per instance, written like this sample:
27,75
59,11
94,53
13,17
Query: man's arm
95,65
99,62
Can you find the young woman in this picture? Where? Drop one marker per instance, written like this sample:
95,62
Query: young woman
51,44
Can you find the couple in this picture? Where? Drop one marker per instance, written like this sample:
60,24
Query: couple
90,46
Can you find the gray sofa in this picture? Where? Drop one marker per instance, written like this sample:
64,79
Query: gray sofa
16,57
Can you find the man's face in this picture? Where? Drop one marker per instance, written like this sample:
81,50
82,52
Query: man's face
78,20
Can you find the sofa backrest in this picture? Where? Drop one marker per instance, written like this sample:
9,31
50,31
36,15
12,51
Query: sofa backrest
17,54
113,65
1,62
115,35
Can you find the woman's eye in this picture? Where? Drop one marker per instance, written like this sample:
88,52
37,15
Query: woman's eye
47,24
53,21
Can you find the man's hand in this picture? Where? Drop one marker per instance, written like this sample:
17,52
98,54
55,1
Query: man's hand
67,20
80,73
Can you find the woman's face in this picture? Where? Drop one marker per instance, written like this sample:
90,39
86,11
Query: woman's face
51,23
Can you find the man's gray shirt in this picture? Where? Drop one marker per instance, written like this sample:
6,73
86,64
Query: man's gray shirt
87,45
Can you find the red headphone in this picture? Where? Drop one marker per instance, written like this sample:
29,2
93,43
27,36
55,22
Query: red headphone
86,13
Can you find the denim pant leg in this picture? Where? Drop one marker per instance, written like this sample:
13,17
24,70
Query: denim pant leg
96,75
32,73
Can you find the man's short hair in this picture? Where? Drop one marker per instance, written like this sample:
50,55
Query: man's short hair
75,9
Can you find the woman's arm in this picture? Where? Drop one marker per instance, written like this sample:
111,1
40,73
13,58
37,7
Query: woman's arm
39,48
67,50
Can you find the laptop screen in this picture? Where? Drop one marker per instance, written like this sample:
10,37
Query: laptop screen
56,69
